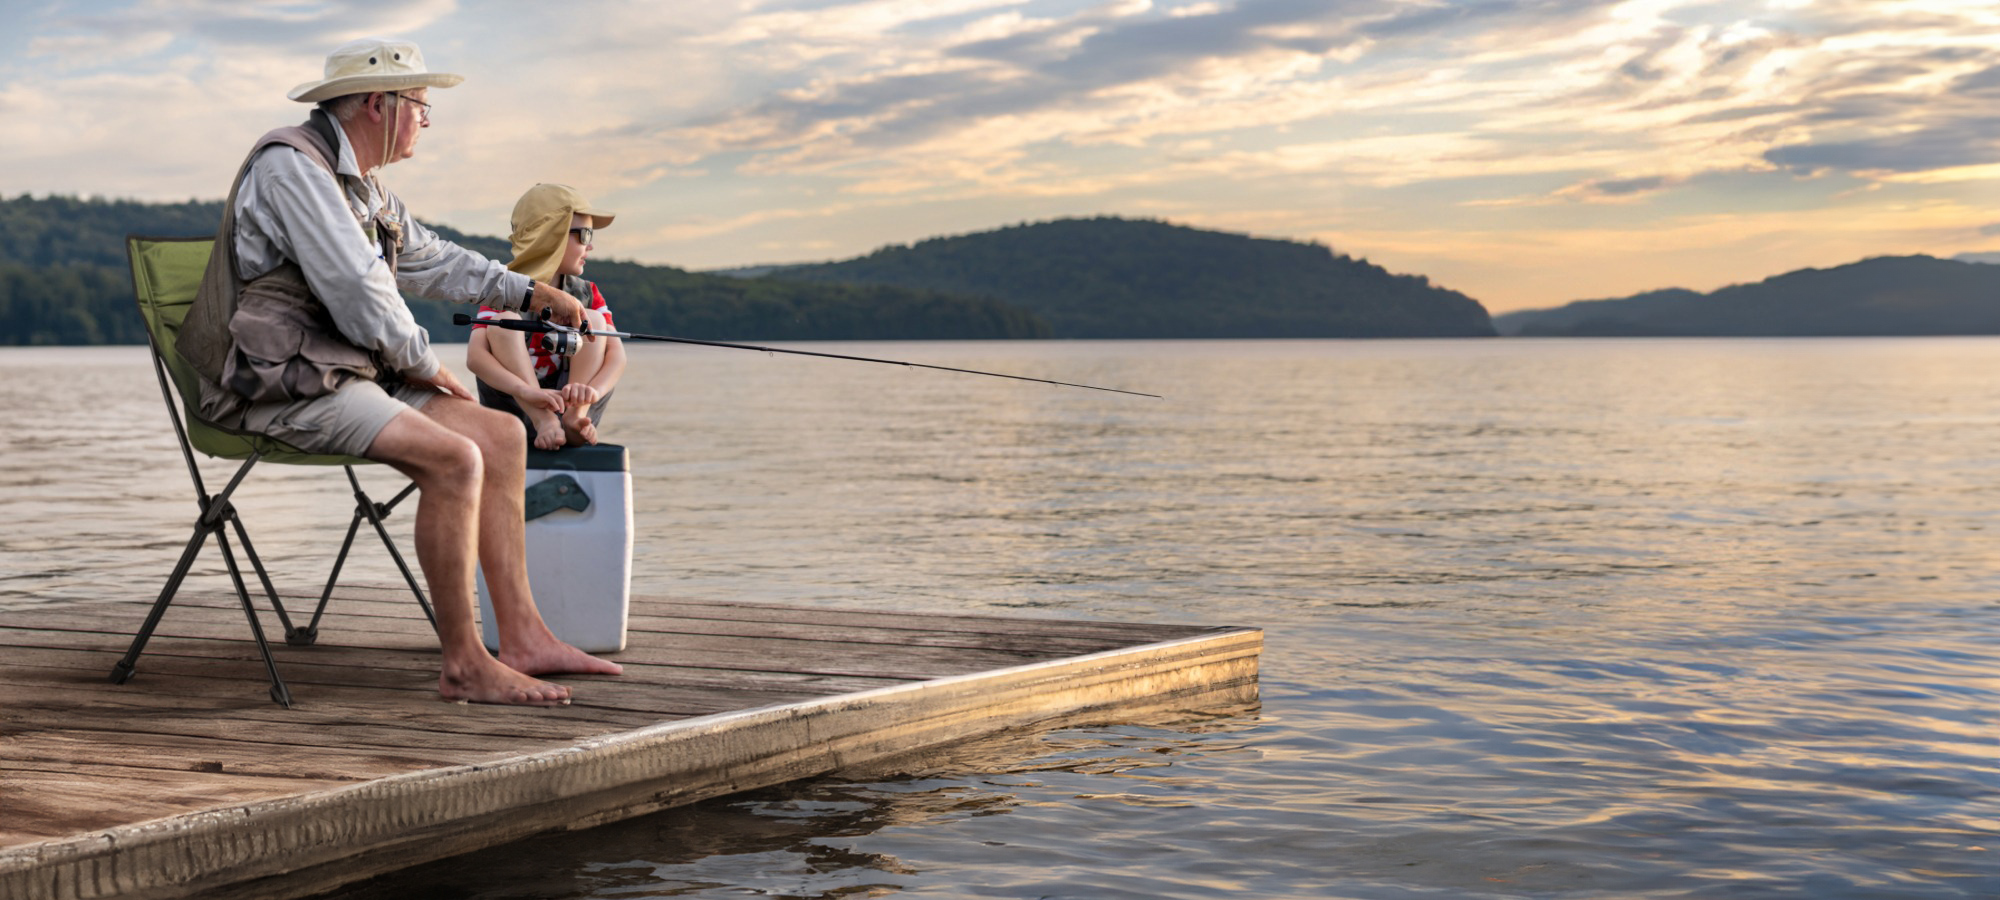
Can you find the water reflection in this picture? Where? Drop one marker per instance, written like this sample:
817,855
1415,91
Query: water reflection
812,839
1636,619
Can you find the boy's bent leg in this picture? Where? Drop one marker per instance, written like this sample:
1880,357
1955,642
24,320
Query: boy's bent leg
588,359
526,644
579,421
510,349
449,471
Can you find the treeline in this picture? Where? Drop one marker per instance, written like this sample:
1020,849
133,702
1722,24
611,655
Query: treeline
64,280
665,300
1135,278
63,277
70,303
1884,295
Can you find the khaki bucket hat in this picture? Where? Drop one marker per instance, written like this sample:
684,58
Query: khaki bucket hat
369,65
541,228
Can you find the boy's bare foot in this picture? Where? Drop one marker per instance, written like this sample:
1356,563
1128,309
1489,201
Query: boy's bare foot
581,429
493,682
549,434
553,657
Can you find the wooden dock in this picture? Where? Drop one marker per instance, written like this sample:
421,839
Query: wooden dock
189,781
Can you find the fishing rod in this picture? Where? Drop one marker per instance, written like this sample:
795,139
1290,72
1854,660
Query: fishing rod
564,340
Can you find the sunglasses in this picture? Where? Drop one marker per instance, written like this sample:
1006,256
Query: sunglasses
584,234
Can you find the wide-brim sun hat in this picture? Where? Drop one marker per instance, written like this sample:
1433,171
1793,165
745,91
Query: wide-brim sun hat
369,65
541,228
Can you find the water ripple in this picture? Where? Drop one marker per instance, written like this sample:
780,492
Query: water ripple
1642,619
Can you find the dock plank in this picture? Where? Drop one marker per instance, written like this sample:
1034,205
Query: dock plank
49,802
913,661
188,781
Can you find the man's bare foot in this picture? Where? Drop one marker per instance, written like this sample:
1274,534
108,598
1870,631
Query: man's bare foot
494,682
553,657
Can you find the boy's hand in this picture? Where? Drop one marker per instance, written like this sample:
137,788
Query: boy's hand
580,394
540,396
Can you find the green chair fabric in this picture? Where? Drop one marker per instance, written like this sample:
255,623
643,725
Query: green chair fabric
166,273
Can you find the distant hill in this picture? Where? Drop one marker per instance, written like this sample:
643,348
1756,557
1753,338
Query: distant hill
1127,278
666,300
64,280
1886,295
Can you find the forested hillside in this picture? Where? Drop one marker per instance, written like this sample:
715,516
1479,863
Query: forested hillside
1126,278
63,277
1886,295
64,280
666,300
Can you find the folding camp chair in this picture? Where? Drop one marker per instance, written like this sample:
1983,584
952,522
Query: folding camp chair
166,273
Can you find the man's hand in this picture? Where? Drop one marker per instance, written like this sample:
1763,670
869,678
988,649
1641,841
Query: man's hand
446,382
563,308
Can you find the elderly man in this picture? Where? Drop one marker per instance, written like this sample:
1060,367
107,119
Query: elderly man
300,333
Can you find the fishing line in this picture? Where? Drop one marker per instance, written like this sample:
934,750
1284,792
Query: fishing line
563,339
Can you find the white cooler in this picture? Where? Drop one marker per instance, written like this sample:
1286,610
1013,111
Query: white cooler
579,509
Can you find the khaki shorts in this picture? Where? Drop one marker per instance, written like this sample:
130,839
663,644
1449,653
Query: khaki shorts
345,421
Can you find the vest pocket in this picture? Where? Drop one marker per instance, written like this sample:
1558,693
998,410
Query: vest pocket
286,351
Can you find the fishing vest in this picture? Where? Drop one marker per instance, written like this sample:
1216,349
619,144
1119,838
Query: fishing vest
270,339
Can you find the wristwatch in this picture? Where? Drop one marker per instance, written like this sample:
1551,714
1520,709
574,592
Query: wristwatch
528,300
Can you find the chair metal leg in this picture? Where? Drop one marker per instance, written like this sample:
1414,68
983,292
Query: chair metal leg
279,692
375,516
366,508
217,516
264,577
303,637
126,667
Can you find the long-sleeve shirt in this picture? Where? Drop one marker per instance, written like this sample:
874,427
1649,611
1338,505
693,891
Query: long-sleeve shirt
289,208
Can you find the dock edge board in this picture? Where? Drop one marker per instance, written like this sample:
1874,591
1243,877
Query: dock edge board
315,842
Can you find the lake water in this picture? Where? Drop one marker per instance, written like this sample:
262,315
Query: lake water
1630,618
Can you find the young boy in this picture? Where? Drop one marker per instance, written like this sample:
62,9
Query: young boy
561,399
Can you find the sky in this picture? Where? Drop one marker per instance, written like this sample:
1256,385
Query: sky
1526,152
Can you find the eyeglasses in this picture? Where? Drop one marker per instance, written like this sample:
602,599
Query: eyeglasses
423,109
584,234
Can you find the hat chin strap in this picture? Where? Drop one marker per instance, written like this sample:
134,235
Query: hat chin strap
389,134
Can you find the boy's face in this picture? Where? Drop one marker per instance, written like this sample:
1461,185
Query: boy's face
575,250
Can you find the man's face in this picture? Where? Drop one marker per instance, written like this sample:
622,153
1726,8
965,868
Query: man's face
410,118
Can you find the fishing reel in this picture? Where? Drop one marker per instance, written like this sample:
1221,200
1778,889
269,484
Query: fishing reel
562,343
561,340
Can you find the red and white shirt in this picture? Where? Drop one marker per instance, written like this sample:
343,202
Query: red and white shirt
545,362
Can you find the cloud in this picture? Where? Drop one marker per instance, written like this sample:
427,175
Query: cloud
1622,187
808,116
1680,98
277,27
1983,84
1953,145
1590,101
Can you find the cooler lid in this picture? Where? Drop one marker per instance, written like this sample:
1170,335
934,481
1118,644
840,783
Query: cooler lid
594,458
